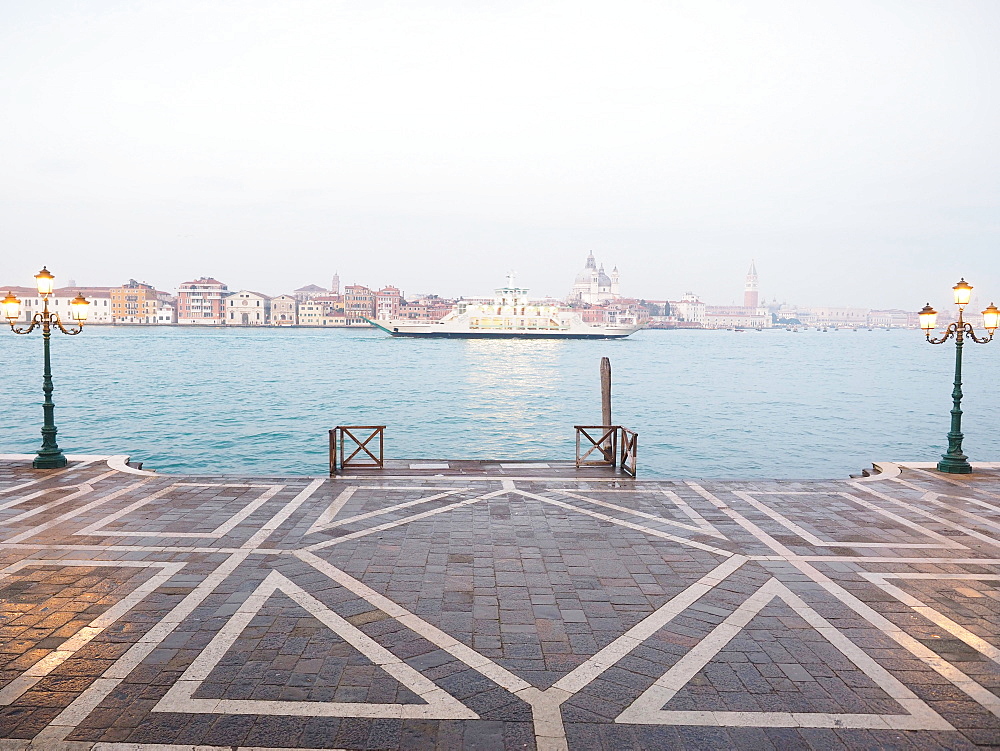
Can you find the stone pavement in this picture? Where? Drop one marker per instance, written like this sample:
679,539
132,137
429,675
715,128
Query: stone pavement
142,611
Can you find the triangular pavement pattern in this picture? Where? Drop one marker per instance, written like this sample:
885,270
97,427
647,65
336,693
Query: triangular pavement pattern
648,708
439,705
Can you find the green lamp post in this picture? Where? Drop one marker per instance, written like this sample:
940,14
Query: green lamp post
953,460
49,455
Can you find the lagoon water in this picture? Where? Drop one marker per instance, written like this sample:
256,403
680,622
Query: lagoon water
714,404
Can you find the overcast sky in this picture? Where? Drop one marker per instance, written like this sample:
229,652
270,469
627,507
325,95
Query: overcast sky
851,148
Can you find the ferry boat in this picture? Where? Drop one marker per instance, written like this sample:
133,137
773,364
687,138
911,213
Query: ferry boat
510,315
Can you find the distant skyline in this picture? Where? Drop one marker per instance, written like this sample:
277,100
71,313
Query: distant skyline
849,147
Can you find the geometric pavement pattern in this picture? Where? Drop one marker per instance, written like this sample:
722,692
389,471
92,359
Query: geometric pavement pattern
142,611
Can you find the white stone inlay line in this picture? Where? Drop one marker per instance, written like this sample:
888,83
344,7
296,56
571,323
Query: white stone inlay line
586,672
699,523
326,519
812,539
439,705
935,616
75,512
49,474
90,699
333,509
407,520
960,680
935,517
97,528
17,687
82,489
622,523
647,709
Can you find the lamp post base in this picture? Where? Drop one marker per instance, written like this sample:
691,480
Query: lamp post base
50,461
954,465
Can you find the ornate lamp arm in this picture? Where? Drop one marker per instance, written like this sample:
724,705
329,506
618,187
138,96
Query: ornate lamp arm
56,320
36,320
970,332
949,332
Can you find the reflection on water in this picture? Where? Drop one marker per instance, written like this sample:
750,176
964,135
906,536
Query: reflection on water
705,404
505,378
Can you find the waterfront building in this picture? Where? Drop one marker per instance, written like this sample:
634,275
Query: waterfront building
309,292
689,308
247,308
388,303
594,287
201,302
429,308
895,319
59,302
166,313
736,317
134,302
284,310
834,316
359,304
323,310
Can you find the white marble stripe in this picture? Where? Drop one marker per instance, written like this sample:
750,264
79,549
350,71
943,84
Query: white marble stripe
49,474
75,512
935,616
179,698
586,672
93,695
815,541
647,709
434,635
933,517
16,688
629,525
83,489
699,526
97,528
333,509
377,512
400,522
984,696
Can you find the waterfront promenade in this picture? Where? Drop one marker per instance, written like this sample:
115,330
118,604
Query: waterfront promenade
147,611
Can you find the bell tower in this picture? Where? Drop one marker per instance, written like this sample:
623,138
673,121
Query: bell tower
750,290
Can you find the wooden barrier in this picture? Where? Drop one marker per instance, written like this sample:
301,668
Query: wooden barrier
339,436
605,441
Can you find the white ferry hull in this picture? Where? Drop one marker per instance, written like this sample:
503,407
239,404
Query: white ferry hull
455,331
511,315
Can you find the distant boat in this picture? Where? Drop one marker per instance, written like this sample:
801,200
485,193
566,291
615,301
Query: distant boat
510,316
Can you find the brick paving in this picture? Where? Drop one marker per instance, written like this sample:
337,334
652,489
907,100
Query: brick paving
144,611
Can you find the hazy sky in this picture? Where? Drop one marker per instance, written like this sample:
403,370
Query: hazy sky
850,147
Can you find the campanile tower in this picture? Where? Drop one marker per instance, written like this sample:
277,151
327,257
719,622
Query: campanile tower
750,290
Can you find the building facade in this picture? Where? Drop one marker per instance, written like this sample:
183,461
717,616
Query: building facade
201,302
134,302
284,311
359,304
59,302
689,309
247,308
592,286
388,303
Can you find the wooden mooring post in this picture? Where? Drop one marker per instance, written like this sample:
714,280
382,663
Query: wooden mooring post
606,446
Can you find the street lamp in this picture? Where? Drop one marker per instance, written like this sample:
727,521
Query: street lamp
953,460
49,455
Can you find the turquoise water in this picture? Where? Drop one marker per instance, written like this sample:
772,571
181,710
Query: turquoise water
714,404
